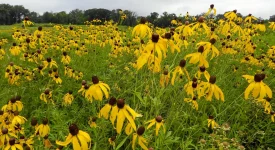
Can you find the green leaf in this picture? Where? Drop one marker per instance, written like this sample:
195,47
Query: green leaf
121,143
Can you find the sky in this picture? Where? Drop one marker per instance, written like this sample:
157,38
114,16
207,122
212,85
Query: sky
258,8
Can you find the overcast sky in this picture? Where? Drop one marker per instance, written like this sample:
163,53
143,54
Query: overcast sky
259,8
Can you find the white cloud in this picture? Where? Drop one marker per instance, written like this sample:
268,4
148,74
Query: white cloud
144,7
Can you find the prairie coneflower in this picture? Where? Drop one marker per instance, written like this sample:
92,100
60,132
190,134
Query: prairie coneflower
202,71
27,143
141,30
256,85
159,122
180,71
193,102
95,90
92,122
122,113
12,145
46,96
211,122
201,23
231,15
43,129
249,18
112,142
107,108
266,103
68,98
66,59
164,78
170,42
78,138
208,47
138,137
49,62
5,135
156,45
14,104
211,10
198,57
210,88
57,79
47,142
193,86
17,119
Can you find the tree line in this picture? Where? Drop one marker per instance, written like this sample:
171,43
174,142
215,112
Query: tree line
11,14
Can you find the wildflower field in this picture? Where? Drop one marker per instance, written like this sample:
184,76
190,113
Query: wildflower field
200,84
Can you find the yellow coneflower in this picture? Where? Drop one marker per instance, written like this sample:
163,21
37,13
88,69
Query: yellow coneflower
92,122
156,45
122,113
249,18
170,42
34,123
49,62
193,102
14,104
211,122
202,71
210,89
109,107
27,143
198,57
231,15
111,141
17,119
43,129
159,122
210,10
78,138
180,71
47,142
66,59
57,79
201,23
12,145
193,87
95,90
141,30
6,135
46,96
256,85
266,103
164,78
68,98
138,137
208,47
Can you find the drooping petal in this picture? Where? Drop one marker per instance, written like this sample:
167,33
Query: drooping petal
120,121
248,90
129,118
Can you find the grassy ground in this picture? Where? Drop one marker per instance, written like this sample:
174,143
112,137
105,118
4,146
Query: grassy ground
186,128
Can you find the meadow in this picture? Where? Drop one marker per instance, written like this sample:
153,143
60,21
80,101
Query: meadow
152,75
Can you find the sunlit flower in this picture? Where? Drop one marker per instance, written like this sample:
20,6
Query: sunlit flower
138,137
158,121
123,112
78,138
256,85
211,122
43,129
97,89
